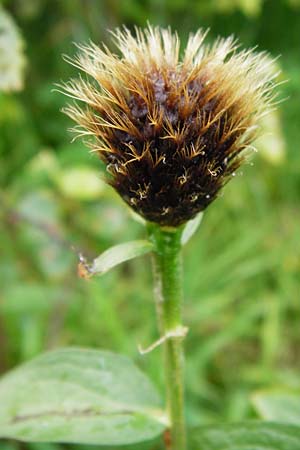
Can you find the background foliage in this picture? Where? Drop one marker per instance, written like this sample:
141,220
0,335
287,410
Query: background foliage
242,267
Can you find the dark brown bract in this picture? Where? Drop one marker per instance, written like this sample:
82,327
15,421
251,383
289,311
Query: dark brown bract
171,132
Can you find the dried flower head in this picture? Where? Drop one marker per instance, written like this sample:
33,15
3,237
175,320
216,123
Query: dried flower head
170,131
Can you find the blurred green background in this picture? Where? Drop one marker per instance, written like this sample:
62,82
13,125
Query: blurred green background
242,286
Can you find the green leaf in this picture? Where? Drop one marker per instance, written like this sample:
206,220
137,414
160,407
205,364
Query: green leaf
190,228
271,144
79,395
278,406
12,58
118,254
246,436
80,183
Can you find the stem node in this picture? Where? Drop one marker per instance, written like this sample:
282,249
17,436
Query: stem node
179,332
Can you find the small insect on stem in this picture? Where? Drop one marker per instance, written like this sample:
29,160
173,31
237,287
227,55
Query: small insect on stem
84,270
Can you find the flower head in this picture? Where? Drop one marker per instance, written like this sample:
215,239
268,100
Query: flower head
171,131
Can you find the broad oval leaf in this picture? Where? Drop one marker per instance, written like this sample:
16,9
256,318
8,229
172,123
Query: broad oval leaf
278,405
247,436
118,254
79,395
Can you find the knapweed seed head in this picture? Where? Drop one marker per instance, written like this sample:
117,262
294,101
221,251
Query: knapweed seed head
171,131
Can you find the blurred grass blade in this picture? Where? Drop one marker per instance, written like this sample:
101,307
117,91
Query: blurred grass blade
279,406
119,254
191,228
12,59
246,436
79,395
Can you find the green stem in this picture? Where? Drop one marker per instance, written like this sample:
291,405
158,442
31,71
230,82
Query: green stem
168,297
